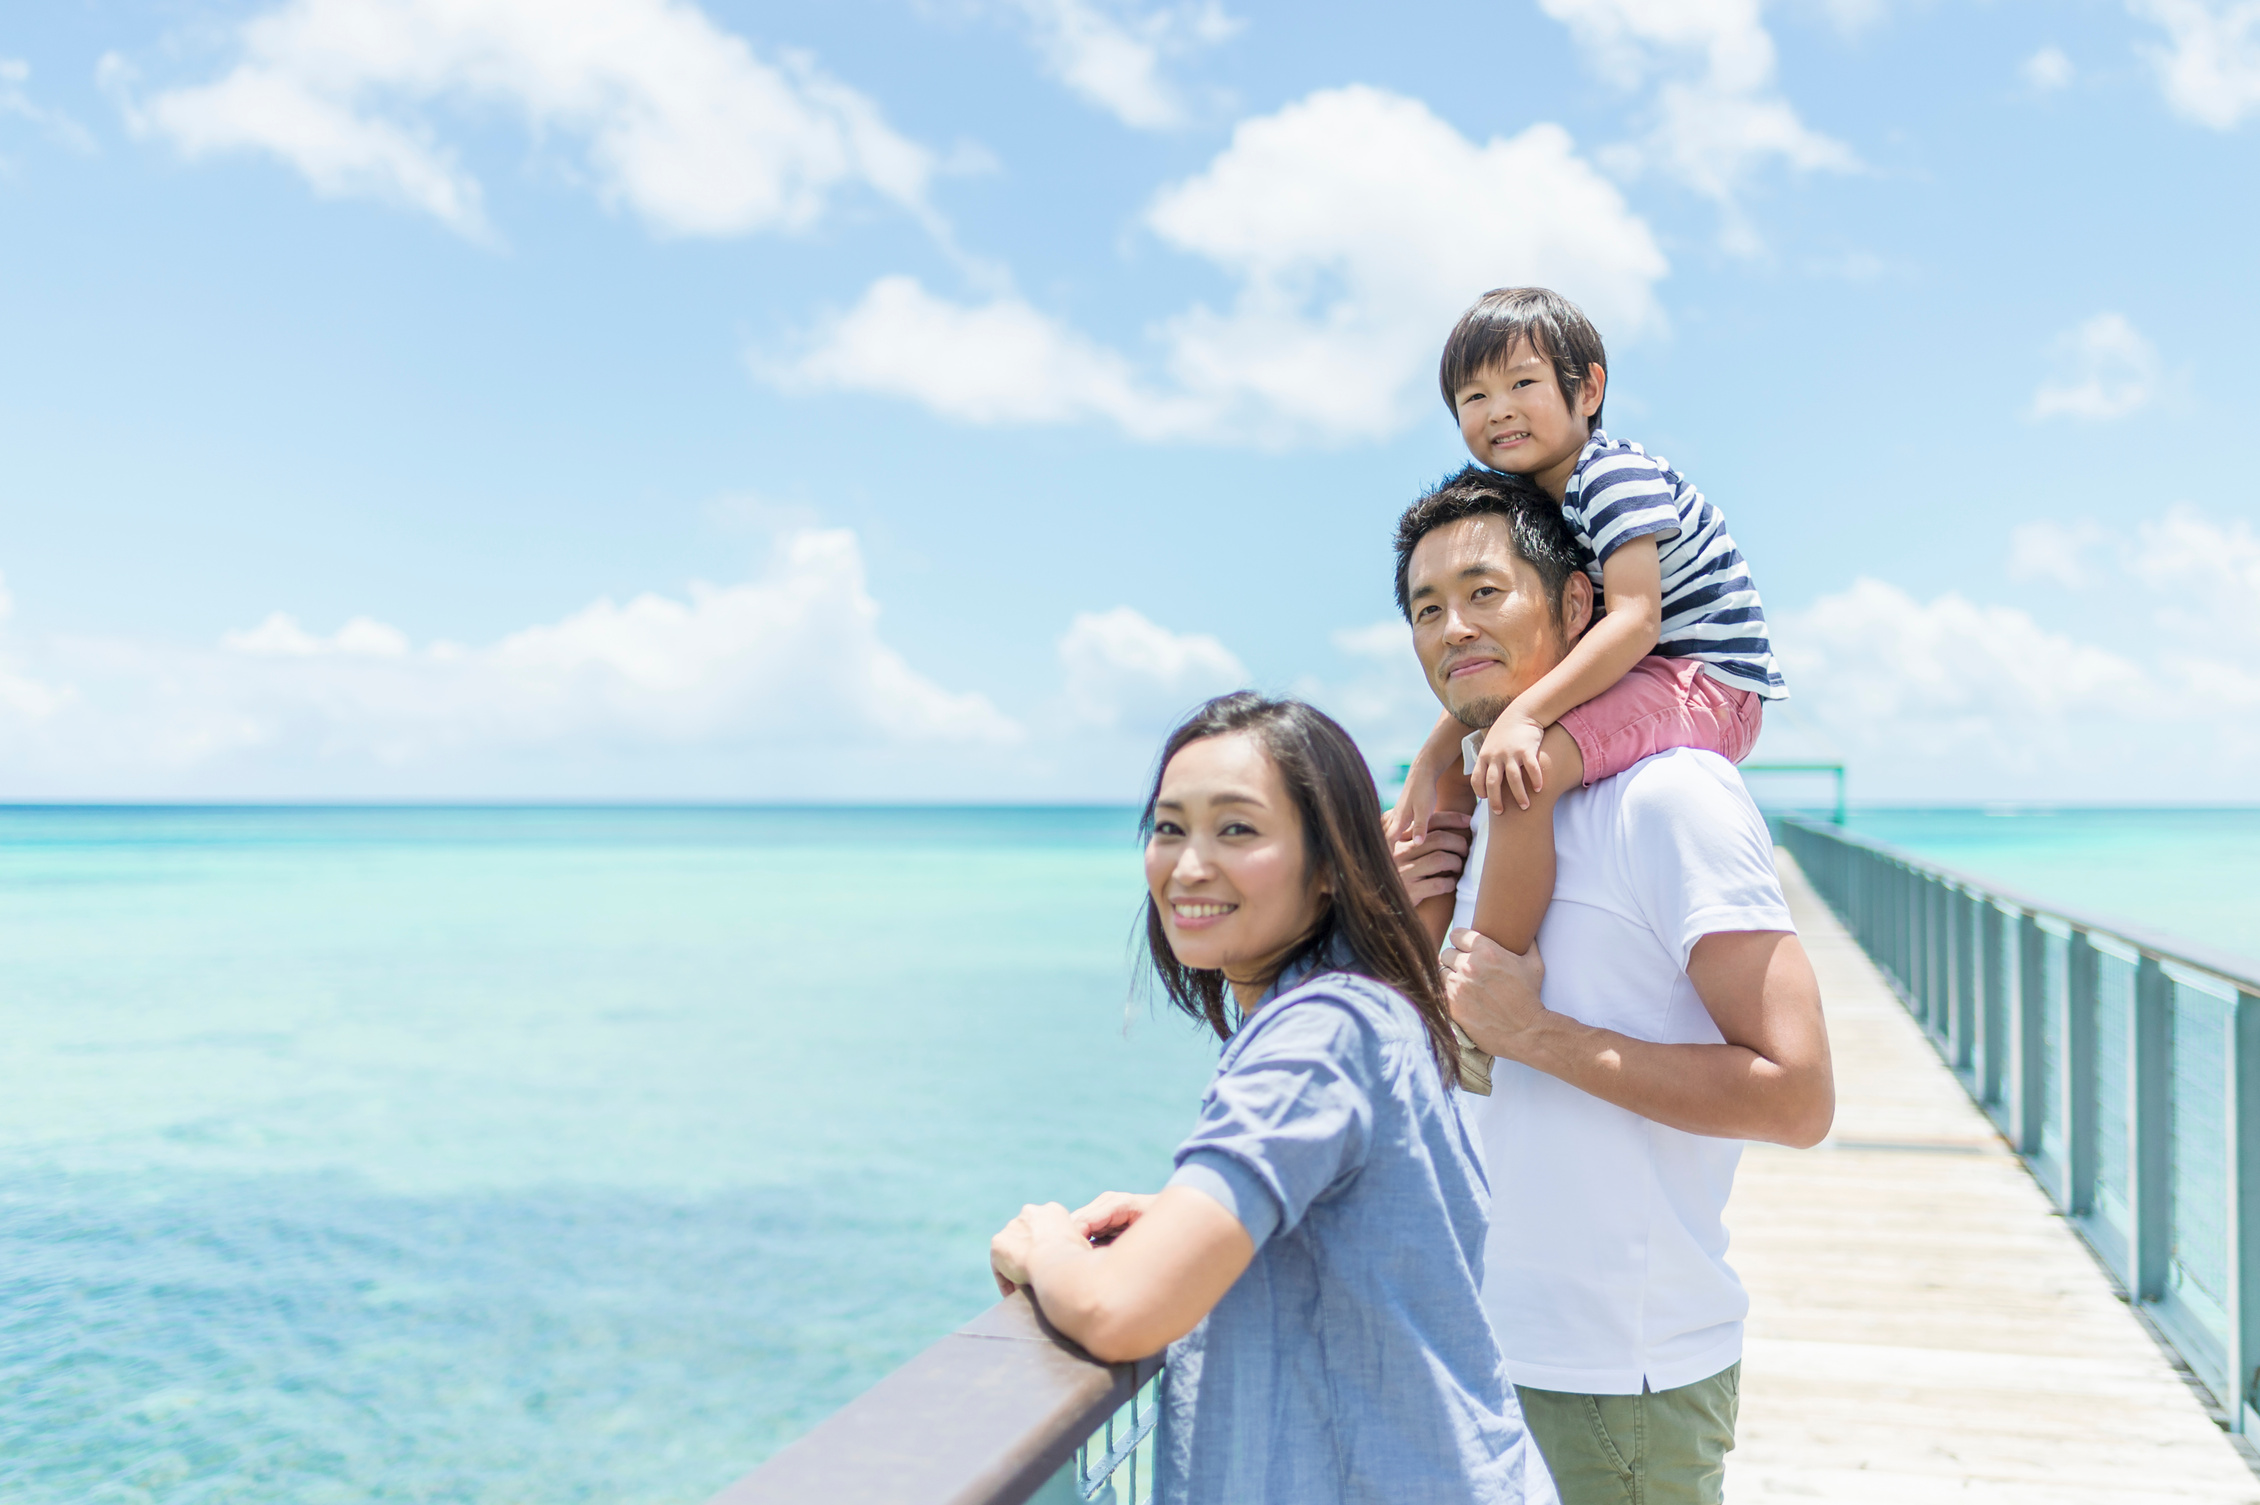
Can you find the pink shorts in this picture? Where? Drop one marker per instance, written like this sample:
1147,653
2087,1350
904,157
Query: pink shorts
1662,703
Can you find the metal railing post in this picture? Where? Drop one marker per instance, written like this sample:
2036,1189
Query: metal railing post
2032,1023
1963,906
1993,995
2150,1128
2077,1085
2242,1102
1941,952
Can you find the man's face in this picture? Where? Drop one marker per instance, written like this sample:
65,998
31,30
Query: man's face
1482,622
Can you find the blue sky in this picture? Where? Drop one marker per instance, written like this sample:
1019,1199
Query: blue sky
928,398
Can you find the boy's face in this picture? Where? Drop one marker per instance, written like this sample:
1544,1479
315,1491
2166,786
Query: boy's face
1516,418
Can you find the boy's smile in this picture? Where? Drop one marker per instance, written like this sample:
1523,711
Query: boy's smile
1515,417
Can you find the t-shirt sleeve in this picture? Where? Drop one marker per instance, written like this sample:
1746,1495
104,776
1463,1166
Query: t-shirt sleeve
1702,861
1624,496
1291,1118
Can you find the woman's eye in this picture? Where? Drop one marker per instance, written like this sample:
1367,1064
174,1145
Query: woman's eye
1167,828
1238,828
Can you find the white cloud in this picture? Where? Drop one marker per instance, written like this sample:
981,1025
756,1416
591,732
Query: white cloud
2104,369
1719,118
2050,550
1947,697
281,636
684,124
1125,672
2210,70
1354,224
1111,55
2047,70
16,100
786,677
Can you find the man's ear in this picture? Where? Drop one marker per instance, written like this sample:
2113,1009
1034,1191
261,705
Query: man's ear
1577,605
1592,390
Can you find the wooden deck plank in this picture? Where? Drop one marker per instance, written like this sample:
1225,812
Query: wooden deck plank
1923,1326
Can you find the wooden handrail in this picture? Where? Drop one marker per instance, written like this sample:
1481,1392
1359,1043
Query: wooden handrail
984,1417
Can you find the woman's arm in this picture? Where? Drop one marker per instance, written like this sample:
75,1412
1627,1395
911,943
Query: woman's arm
1137,1295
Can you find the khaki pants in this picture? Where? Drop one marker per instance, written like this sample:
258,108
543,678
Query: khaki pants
1664,1447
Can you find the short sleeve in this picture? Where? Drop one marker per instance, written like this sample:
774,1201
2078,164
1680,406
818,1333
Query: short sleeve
1623,495
1702,861
1289,1119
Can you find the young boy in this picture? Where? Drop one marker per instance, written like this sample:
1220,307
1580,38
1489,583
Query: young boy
1680,657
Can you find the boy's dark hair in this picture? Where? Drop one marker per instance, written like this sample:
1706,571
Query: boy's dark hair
1367,924
1505,317
1535,526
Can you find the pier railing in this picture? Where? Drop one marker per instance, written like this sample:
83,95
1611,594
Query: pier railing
2123,1066
1004,1411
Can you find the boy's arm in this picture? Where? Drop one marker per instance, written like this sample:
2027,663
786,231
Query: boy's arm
1632,583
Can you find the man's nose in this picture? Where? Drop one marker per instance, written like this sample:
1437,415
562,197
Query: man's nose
1457,628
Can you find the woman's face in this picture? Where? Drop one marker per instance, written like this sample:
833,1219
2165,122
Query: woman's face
1226,865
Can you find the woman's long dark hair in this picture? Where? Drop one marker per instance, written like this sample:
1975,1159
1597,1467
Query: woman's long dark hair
1368,912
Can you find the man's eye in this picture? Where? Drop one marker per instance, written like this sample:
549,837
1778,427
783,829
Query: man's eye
1484,590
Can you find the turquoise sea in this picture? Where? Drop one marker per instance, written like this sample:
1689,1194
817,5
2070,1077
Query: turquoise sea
556,1155
531,1155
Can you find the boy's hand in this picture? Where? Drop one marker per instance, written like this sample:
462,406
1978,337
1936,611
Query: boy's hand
1508,764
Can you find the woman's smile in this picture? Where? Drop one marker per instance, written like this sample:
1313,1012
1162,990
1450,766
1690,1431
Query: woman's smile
1199,914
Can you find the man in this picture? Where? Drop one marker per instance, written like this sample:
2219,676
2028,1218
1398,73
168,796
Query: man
1676,1015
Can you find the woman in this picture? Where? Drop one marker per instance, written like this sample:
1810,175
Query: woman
1312,1266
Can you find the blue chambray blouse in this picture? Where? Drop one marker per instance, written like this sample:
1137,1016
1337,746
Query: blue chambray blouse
1352,1361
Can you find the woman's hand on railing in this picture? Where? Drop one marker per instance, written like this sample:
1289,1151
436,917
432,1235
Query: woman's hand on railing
1016,1241
1103,1218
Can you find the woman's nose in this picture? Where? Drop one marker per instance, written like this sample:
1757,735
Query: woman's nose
1191,866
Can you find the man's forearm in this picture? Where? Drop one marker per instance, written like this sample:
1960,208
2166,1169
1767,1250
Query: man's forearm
1722,1091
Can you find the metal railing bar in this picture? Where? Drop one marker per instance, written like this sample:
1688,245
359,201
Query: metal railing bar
2241,971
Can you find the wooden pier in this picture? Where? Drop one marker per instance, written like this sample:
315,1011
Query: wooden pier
1924,1325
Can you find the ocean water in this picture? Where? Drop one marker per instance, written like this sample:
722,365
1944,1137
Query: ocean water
531,1156
2189,873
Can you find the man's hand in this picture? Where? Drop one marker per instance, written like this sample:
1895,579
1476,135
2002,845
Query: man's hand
1104,1217
1014,1247
1508,764
1493,993
1430,865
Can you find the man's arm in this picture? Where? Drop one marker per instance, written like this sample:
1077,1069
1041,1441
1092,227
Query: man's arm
1430,868
1771,1080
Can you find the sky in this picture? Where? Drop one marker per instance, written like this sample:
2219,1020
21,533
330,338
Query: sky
931,399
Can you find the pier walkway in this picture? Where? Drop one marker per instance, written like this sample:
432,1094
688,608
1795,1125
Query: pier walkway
1924,1325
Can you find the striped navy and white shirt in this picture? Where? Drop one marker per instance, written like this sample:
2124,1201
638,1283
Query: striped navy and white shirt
1620,492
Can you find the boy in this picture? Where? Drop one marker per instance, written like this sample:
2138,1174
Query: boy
1680,656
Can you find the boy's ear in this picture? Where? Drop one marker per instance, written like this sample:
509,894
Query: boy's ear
1592,390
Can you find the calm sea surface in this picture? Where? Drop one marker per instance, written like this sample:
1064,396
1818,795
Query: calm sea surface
531,1156
537,1156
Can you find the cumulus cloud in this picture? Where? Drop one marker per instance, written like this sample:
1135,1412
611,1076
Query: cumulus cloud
2051,550
683,123
1954,698
2210,65
783,673
1354,226
2047,70
1111,55
1718,117
2104,369
16,100
1125,672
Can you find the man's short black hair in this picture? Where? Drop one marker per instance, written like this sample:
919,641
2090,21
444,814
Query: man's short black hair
1535,526
1507,316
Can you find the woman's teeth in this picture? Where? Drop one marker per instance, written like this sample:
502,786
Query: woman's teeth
1189,910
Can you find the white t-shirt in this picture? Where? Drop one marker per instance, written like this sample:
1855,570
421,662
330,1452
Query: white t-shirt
1606,1264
